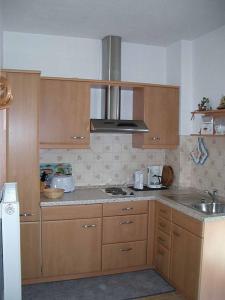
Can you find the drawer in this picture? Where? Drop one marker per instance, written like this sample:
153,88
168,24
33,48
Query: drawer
188,223
163,239
124,228
162,260
163,211
125,208
163,225
123,255
68,212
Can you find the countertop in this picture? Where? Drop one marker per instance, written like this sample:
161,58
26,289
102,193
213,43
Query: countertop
93,195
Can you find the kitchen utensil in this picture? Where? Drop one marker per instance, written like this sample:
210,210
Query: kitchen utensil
167,175
53,193
138,180
65,182
154,176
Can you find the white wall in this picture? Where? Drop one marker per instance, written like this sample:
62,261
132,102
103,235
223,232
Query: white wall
79,57
1,34
179,72
209,66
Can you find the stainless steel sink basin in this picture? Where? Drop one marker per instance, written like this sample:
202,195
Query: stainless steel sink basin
210,208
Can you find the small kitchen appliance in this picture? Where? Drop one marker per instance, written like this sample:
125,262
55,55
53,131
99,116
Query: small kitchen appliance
138,180
154,176
65,182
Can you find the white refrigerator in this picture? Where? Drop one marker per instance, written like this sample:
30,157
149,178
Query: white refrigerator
10,261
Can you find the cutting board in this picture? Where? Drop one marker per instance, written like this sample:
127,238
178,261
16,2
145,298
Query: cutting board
167,175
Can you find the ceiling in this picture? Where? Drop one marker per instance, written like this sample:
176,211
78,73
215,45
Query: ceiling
156,22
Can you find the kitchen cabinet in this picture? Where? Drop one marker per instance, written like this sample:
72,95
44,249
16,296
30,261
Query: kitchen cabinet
185,261
64,114
125,235
124,228
74,242
123,255
158,106
162,238
30,250
22,148
71,246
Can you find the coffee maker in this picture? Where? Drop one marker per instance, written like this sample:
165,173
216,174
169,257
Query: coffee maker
154,176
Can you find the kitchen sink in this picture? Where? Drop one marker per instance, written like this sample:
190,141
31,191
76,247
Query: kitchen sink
210,208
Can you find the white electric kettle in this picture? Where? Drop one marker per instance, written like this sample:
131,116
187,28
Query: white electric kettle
138,180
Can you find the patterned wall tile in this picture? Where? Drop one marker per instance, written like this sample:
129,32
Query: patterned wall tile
110,160
211,175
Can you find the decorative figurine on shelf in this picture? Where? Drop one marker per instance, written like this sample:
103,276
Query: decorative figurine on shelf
222,103
204,105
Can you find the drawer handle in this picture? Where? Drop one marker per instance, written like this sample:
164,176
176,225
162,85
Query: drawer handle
86,226
176,233
162,225
126,222
161,239
127,208
78,137
163,211
160,252
126,249
26,214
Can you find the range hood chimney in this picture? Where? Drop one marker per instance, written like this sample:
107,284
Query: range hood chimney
111,70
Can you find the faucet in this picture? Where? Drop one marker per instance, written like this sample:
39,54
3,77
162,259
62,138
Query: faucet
212,195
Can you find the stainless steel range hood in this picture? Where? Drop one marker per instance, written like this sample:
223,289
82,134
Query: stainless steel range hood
111,70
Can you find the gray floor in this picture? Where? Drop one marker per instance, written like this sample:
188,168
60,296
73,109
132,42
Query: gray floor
111,287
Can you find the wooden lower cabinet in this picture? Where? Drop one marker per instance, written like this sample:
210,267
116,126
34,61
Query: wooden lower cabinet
125,228
30,233
162,259
71,246
185,261
123,255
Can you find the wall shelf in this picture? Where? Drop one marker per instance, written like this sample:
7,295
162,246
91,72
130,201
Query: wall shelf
216,113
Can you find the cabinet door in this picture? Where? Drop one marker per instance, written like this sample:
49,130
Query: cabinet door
22,151
158,106
185,261
71,246
162,260
161,113
30,250
64,114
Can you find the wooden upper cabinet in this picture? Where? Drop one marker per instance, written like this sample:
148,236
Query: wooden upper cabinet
64,114
158,106
22,148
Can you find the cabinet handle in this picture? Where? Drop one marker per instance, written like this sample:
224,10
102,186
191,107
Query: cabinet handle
162,224
156,138
78,137
86,226
176,233
127,208
26,214
126,249
126,222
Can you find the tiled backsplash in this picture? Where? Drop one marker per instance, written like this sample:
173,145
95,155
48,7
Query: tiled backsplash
211,175
110,160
